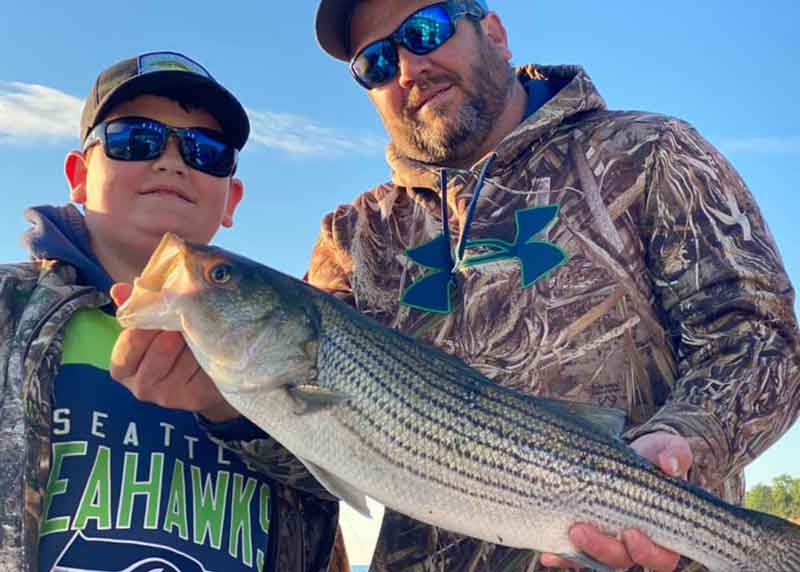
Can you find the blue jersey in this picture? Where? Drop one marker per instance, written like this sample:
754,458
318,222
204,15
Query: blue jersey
134,486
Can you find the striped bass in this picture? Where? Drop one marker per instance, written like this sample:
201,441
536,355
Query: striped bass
372,412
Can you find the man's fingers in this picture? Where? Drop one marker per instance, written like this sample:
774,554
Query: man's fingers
671,453
599,546
635,548
676,459
553,561
646,553
128,352
120,292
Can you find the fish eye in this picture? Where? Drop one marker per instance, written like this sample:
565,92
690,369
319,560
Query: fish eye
220,274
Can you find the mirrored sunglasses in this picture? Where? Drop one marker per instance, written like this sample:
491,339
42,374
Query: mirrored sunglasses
144,139
421,33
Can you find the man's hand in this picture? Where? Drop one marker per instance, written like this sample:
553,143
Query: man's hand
673,455
158,367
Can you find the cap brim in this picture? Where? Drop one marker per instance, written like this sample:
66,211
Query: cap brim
333,21
192,88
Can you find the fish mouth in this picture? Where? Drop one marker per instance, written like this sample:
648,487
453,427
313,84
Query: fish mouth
165,258
151,299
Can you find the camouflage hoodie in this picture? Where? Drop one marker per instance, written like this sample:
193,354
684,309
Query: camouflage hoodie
673,303
36,301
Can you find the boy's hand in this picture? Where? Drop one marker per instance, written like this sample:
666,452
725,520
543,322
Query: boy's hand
673,455
158,367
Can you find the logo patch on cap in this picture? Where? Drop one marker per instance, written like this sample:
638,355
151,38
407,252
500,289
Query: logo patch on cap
169,61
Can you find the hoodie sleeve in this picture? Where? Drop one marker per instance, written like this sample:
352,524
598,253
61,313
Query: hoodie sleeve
331,262
727,302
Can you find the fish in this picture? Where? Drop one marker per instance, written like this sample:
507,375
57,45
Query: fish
372,412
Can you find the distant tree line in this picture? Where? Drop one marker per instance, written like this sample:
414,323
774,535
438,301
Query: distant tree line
781,498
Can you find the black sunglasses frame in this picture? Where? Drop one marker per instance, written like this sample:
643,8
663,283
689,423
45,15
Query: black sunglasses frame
455,9
99,134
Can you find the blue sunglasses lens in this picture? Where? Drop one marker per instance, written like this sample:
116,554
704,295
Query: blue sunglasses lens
141,139
204,153
421,33
426,30
134,140
376,64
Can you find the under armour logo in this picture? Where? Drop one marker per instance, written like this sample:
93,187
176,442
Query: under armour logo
537,258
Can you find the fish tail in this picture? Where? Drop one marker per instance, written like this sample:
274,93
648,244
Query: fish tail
780,546
792,556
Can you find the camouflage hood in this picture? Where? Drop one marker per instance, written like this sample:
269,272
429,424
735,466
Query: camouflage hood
672,302
577,96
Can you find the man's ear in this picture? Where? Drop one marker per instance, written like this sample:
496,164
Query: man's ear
496,33
75,170
235,194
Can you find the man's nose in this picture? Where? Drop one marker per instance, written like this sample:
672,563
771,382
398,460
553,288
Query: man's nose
412,66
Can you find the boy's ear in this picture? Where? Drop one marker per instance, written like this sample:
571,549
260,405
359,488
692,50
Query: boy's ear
235,194
76,169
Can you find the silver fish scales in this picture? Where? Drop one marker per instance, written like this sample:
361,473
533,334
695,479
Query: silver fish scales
373,412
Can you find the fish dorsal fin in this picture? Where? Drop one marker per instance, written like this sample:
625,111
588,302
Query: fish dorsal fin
313,398
338,488
607,421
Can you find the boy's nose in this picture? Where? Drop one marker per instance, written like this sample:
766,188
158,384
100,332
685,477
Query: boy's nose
171,159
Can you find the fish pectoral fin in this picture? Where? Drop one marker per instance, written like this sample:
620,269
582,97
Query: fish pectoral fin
338,488
313,399
609,421
587,562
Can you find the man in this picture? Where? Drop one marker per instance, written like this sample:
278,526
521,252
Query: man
562,249
90,477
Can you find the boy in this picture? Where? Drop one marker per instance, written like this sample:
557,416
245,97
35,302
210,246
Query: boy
90,477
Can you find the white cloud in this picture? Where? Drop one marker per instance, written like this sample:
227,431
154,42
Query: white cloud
36,112
297,134
30,111
763,145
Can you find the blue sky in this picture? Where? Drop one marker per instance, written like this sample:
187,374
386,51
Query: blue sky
727,66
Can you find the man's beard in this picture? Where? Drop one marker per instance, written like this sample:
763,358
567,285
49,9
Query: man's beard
458,138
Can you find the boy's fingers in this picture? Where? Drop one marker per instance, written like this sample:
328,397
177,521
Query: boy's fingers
120,292
128,352
159,358
209,402
172,388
